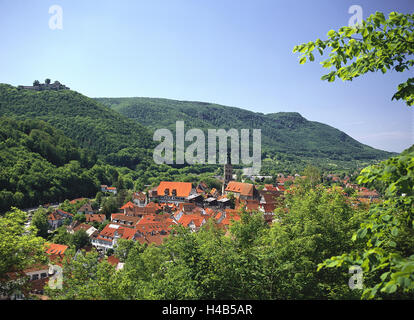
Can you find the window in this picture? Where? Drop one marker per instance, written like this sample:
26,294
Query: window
35,277
43,275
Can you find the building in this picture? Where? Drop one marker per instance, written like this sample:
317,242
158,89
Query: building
140,199
227,172
86,209
37,86
105,188
109,236
242,191
172,192
94,217
57,218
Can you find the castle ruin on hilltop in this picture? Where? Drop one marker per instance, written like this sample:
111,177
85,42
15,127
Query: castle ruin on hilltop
37,86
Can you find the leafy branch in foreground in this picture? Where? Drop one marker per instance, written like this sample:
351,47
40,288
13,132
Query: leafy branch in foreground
375,44
387,257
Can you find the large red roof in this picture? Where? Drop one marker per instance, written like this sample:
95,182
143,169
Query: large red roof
183,189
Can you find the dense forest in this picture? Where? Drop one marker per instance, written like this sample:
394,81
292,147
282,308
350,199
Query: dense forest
39,164
94,127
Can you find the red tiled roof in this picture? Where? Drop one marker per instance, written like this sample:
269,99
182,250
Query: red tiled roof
186,219
183,189
139,195
270,187
139,211
53,248
76,200
124,218
230,216
245,189
94,217
129,204
82,226
113,260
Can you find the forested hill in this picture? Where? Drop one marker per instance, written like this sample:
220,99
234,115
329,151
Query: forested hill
39,164
282,132
82,119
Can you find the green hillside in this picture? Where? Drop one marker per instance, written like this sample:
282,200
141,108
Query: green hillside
286,136
39,164
82,119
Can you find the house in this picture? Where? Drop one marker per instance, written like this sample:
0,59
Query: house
131,209
128,206
112,190
105,188
226,217
86,209
109,236
140,199
57,218
241,190
230,216
94,217
55,249
172,192
214,193
90,230
124,220
196,198
192,221
115,262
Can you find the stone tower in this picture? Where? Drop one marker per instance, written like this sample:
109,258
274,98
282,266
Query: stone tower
228,172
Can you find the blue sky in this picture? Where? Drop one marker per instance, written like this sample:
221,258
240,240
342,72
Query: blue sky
235,53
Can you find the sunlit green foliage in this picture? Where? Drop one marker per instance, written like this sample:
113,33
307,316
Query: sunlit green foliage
377,44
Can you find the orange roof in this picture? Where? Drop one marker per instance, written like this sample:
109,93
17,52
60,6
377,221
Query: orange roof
129,204
183,189
230,217
53,248
245,189
110,229
91,217
76,200
122,219
186,219
113,260
252,205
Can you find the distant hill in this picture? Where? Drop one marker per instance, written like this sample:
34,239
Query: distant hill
82,119
283,133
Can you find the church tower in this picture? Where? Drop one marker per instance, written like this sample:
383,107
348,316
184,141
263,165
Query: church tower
228,172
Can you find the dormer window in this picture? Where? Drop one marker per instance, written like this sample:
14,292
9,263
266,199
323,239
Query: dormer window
174,192
166,191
